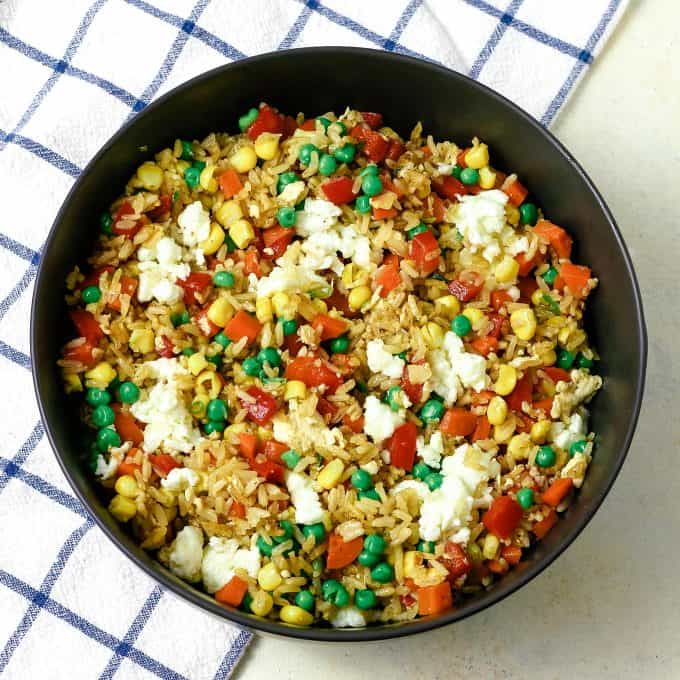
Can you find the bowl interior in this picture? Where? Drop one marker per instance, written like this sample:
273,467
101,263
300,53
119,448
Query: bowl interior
450,106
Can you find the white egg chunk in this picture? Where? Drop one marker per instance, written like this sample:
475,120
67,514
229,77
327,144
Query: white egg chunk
180,479
348,617
431,453
305,500
380,421
186,554
159,268
222,557
381,361
194,224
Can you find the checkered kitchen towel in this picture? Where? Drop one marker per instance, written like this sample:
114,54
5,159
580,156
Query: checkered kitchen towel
71,72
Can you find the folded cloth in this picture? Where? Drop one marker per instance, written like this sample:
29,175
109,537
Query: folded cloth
72,73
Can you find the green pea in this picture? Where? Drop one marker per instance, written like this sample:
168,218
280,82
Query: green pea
382,573
180,319
528,213
305,153
456,170
545,456
426,547
269,355
96,397
375,544
401,355
361,480
578,447
565,359
289,326
363,204
334,592
224,279
199,165
285,179
246,602
346,153
369,170
247,119
188,351
431,411
327,165
128,392
582,361
191,177
554,307
288,531
187,151
291,458
550,276
525,497
91,294
365,599
215,359
367,559
316,530
371,185
102,416
217,410
342,128
371,493
461,325
105,222
410,233
434,480
286,216
107,438
305,600
231,246
339,345
264,547
221,339
421,471
324,121
362,387
251,366
393,397
469,176
215,426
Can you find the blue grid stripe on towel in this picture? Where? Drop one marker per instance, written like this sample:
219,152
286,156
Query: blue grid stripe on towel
187,28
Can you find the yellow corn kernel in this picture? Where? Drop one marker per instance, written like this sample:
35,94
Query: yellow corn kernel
123,509
474,315
199,405
348,274
197,362
433,334
523,322
519,446
215,239
267,145
269,577
512,214
295,615
331,474
358,297
150,176
235,430
206,179
540,431
477,157
507,380
506,270
209,383
319,306
141,340
263,309
295,389
220,312
262,603
264,435
549,357
154,539
447,306
244,159
228,212
126,486
242,233
497,411
72,383
182,167
491,546
487,178
100,376
537,297
285,306
503,432
412,560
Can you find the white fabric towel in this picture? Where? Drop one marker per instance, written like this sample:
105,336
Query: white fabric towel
72,73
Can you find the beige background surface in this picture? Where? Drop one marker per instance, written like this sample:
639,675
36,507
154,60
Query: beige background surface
609,607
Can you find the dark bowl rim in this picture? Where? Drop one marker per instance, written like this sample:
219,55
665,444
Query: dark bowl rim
384,632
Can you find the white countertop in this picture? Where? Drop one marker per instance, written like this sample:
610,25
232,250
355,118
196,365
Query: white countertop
608,608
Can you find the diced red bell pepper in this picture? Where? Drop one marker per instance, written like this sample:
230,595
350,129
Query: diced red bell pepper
339,190
456,561
272,472
82,353
128,286
309,125
437,208
413,391
167,349
338,301
205,325
520,394
576,279
424,250
230,183
526,266
527,285
247,444
268,120
483,429
556,374
458,422
273,450
395,150
162,209
516,193
242,325
467,287
373,120
388,277
558,491
460,158
326,407
434,599
122,226
251,262
542,528
485,345
293,344
92,279
481,398
237,509
544,405
233,592
289,127
277,239
355,425
359,131
402,446
162,463
263,408
328,327
503,517
500,298
86,325
340,552
389,185
376,146
495,325
127,427
196,282
512,554
313,373
384,213
557,237
449,187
